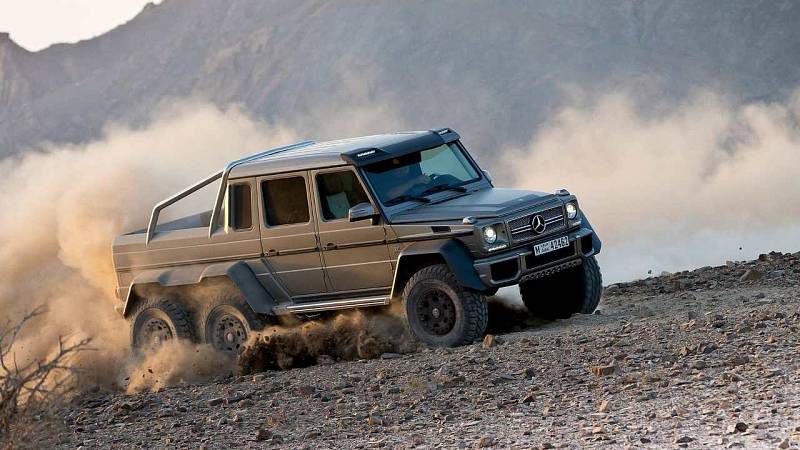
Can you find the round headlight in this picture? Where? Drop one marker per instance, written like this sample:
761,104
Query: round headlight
572,211
489,235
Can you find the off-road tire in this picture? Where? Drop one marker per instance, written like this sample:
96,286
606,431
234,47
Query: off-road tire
559,296
229,308
468,307
170,313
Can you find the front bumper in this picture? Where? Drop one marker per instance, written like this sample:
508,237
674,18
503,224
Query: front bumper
520,264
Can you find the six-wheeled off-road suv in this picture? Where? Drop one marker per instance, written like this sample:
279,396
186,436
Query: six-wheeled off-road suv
317,227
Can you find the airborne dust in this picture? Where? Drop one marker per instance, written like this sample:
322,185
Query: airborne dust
692,184
682,188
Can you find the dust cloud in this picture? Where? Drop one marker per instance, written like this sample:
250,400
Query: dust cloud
177,362
60,210
696,184
679,189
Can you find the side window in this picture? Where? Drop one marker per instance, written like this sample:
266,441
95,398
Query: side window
338,192
285,201
241,209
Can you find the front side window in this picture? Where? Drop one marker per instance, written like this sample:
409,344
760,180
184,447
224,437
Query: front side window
241,209
338,192
418,174
285,201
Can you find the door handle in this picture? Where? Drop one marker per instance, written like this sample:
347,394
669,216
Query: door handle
272,252
330,246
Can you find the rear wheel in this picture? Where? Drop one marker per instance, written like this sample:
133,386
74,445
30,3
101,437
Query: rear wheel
228,324
559,296
442,313
158,320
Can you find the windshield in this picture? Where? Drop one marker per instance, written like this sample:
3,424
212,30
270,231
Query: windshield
411,177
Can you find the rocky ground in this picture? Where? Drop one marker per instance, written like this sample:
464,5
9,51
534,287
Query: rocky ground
707,358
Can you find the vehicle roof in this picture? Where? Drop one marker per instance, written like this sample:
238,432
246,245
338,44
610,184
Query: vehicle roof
335,153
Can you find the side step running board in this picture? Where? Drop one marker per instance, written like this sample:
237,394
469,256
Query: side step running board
331,305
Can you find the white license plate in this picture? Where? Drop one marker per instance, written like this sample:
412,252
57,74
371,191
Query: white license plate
549,246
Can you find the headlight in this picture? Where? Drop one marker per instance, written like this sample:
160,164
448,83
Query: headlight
489,235
572,211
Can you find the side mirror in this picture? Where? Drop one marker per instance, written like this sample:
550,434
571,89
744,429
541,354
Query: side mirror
488,175
362,211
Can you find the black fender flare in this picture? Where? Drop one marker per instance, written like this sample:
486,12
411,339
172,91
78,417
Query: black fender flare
455,254
596,243
238,272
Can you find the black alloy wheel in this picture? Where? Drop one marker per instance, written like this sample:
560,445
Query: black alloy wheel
436,312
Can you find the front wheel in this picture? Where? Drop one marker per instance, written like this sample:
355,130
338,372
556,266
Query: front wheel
442,313
559,296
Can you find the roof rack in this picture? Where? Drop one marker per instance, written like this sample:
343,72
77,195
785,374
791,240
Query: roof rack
224,174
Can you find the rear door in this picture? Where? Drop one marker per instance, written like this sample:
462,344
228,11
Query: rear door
355,254
288,233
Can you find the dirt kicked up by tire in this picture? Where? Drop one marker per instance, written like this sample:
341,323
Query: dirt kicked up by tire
442,313
577,290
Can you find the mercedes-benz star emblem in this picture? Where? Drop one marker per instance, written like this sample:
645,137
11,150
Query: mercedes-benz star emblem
538,224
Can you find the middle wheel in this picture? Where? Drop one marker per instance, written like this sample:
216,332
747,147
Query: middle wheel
229,323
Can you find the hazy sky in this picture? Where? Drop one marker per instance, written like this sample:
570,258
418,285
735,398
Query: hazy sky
35,24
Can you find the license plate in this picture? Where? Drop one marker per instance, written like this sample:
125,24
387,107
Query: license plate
550,246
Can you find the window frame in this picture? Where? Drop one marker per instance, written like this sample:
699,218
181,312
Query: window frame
302,175
318,198
230,207
481,176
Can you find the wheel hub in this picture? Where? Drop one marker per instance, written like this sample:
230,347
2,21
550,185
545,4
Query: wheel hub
229,334
436,312
155,332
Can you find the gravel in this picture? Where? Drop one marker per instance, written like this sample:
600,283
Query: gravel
696,359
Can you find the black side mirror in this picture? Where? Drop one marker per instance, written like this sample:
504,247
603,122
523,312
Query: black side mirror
362,211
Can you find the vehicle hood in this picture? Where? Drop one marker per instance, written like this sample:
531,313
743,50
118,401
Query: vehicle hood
485,203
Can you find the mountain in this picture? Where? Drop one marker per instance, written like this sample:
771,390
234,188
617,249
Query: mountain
494,70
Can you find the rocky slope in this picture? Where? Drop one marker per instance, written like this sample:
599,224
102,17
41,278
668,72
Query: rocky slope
700,359
496,68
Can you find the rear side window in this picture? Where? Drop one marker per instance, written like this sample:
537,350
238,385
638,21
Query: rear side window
338,192
285,201
241,209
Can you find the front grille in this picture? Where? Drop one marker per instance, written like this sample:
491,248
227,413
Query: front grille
522,230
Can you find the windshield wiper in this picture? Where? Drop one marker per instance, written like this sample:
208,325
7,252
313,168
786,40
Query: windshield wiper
405,198
443,187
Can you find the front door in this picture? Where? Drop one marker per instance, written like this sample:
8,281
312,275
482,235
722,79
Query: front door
355,254
288,233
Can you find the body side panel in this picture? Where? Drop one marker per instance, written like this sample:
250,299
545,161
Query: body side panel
239,272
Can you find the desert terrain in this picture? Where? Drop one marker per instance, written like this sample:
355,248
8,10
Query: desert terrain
698,359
